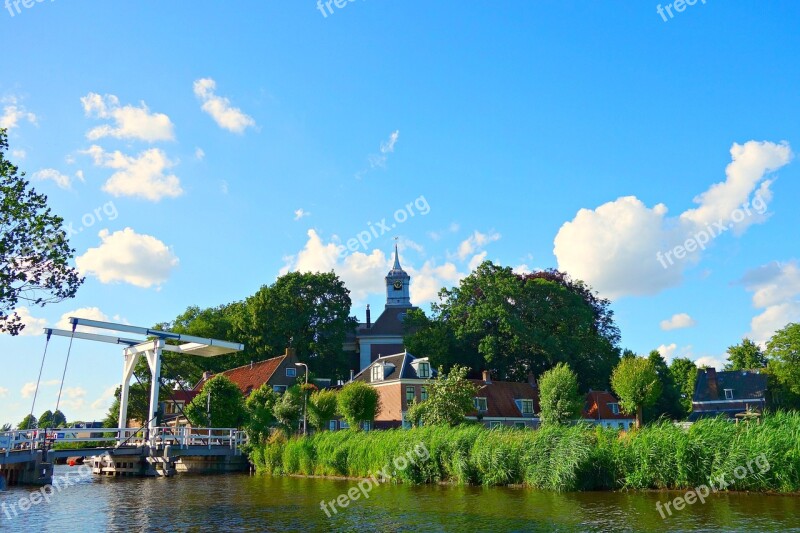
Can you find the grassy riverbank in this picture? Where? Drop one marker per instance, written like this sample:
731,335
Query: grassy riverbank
660,456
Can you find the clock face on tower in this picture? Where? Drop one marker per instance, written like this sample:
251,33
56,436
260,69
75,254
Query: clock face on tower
398,285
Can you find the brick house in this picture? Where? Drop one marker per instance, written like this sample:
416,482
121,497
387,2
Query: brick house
505,403
280,372
399,379
602,408
728,393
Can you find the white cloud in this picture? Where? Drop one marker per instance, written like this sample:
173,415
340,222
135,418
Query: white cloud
13,113
476,242
19,154
678,321
63,181
33,325
477,260
220,109
430,278
90,313
616,248
105,399
3,392
379,160
712,361
199,154
300,213
143,176
141,260
80,176
130,122
30,387
776,290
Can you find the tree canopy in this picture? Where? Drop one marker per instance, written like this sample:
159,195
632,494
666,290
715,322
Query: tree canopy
227,405
746,355
358,402
783,353
559,399
450,399
636,382
34,248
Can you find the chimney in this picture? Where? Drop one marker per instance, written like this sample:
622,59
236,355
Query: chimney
206,375
290,352
352,374
487,376
532,379
713,388
369,319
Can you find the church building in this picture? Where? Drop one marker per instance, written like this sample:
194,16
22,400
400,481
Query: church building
384,337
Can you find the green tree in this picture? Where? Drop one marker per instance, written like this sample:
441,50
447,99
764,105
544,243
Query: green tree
227,405
46,420
515,324
34,249
29,422
357,402
59,420
745,356
668,403
450,399
559,399
783,354
6,427
138,405
261,410
289,409
684,374
322,407
637,385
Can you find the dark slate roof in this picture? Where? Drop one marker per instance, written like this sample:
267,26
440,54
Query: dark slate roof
746,385
501,395
398,366
389,323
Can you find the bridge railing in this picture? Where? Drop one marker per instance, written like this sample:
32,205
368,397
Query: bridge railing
187,436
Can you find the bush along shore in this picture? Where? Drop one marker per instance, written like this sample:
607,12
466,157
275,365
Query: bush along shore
749,456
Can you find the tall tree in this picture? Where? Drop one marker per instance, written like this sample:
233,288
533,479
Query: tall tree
34,248
322,407
517,324
450,400
637,385
357,402
684,374
261,410
559,399
29,422
668,403
227,409
783,353
745,356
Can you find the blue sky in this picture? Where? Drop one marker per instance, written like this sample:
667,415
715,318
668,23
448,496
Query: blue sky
198,153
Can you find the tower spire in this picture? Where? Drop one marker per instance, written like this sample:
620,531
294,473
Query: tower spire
396,257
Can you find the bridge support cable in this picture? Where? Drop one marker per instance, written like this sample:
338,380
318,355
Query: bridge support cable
64,375
39,379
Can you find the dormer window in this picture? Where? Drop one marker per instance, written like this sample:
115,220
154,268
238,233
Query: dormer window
424,370
729,394
291,372
377,372
525,406
614,408
480,404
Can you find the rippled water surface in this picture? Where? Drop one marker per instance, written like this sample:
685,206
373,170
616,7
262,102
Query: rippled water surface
244,503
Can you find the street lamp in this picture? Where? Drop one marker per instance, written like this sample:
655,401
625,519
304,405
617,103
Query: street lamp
305,397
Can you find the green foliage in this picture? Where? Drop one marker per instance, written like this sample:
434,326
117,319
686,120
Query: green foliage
450,399
6,427
34,249
559,399
357,402
783,352
49,419
556,458
138,405
322,407
684,374
289,409
637,385
745,356
515,324
29,422
261,412
227,405
668,404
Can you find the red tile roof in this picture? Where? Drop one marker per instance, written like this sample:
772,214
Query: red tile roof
596,407
185,396
500,396
250,377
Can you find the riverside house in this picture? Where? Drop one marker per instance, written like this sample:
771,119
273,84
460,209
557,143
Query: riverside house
728,393
506,403
602,409
279,372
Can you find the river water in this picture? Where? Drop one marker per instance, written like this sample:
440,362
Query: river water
239,502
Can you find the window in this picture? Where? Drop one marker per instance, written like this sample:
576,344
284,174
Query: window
480,404
332,425
366,426
343,424
519,425
424,370
279,388
411,394
291,372
423,393
614,408
729,394
495,424
525,406
377,372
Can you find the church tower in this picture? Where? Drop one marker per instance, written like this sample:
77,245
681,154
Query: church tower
397,285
